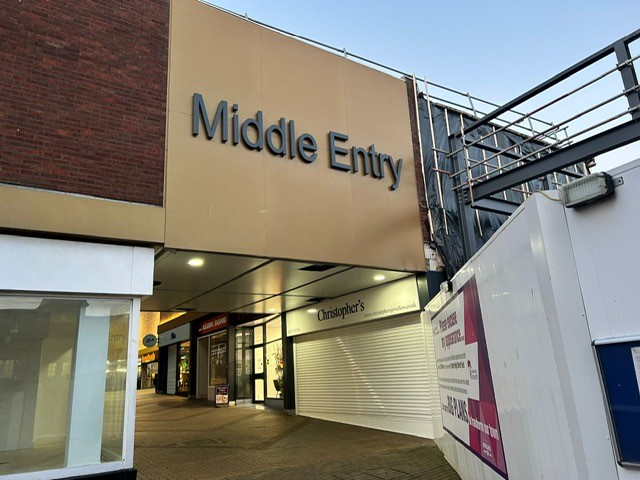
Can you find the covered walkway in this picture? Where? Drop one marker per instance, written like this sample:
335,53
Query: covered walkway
180,439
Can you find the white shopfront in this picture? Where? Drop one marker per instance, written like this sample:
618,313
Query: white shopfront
361,359
69,314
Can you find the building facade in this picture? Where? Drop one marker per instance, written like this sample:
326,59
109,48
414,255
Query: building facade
172,157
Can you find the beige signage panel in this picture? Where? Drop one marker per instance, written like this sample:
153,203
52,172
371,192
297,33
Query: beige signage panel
226,198
62,213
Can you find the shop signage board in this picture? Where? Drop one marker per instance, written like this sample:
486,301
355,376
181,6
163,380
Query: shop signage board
222,395
212,325
178,334
284,140
375,303
467,397
149,357
150,340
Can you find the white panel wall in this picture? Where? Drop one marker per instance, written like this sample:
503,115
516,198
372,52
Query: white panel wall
373,375
43,265
547,391
605,237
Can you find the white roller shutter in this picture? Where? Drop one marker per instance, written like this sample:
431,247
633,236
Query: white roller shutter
372,374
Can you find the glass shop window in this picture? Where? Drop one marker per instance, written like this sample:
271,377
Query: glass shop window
275,361
218,359
63,367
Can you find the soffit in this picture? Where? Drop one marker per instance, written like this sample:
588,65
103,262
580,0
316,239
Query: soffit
242,284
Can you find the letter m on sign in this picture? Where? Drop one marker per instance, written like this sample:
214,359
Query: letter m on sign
200,112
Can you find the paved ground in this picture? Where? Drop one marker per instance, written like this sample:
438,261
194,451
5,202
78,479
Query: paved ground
185,439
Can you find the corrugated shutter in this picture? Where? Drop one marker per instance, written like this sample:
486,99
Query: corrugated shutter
372,374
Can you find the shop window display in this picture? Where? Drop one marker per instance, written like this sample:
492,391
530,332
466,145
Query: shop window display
275,362
218,359
184,362
275,370
62,382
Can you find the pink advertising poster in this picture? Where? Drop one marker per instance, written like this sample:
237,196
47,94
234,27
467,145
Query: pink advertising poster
467,396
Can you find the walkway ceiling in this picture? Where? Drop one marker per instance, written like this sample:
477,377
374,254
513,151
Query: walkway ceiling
232,283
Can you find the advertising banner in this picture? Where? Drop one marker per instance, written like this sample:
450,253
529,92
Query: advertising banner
222,395
467,396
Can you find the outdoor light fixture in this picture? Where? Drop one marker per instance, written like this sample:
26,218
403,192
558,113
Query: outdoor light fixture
586,190
379,277
196,262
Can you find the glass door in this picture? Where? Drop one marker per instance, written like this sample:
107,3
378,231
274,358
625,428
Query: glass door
258,374
183,369
258,364
244,363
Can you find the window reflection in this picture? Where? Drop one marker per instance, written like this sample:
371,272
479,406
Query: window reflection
62,381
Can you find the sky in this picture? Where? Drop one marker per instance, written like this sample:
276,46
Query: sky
494,50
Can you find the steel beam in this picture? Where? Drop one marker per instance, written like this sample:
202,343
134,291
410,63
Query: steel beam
629,77
616,137
495,205
513,156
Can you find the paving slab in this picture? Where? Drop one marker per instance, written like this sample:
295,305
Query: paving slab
177,438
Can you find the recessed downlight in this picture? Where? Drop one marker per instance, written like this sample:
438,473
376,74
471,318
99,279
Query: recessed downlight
379,277
196,262
312,310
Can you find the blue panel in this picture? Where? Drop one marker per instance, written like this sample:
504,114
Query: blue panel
623,396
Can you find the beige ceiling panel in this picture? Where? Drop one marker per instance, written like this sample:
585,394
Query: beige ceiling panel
221,302
173,270
276,277
164,300
278,304
346,282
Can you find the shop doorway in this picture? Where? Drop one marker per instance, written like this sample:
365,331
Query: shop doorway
184,367
244,365
202,382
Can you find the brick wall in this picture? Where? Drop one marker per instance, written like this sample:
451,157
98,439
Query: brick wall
83,96
422,199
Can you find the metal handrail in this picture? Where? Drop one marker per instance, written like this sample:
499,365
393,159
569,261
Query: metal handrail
546,105
564,122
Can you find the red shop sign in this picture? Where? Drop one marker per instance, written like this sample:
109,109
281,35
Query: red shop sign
212,325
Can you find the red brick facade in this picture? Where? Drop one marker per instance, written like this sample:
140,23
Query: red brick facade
83,96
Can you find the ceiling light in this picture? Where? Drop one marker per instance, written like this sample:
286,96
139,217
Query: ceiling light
312,310
196,262
272,310
379,277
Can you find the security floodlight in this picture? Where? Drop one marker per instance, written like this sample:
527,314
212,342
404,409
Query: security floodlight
586,190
